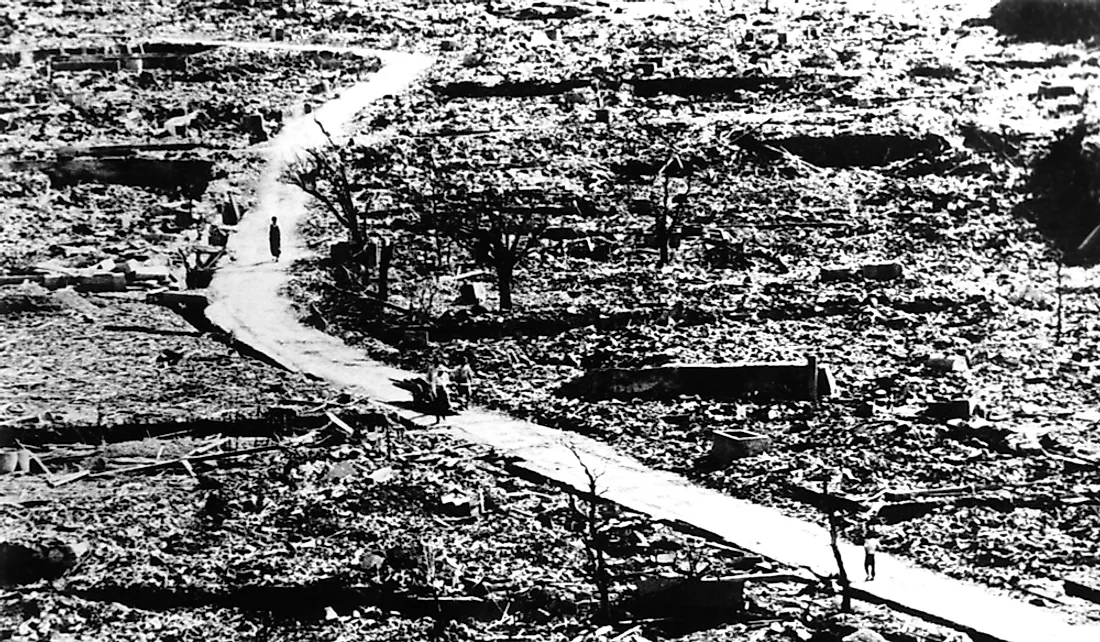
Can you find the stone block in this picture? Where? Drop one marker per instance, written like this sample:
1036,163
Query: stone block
472,293
110,282
153,273
958,409
882,271
728,445
128,266
55,281
836,274
1056,91
945,363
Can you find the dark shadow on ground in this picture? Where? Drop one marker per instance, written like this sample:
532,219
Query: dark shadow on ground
1053,21
1065,201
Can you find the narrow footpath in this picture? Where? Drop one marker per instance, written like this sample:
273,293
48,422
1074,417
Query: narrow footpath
247,300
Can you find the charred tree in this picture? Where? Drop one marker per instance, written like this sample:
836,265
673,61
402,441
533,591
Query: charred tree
669,215
834,536
326,174
498,233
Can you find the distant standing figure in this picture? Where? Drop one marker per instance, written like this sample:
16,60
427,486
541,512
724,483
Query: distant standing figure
870,547
439,387
464,381
275,238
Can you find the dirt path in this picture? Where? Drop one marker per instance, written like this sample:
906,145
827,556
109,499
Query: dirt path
246,300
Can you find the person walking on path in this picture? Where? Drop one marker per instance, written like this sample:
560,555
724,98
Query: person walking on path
275,238
439,390
464,381
870,547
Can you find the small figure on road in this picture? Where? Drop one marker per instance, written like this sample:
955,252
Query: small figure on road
464,381
870,547
439,390
275,238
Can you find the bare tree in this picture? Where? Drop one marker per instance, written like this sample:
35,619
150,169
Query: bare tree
322,172
671,213
498,234
834,535
595,539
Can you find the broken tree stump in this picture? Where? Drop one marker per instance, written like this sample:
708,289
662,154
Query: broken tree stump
787,381
231,212
385,258
256,128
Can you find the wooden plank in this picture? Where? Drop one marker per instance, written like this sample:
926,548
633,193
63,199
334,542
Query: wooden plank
171,297
184,460
339,423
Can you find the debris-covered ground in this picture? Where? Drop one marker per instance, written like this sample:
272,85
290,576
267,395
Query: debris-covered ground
789,159
819,135
377,534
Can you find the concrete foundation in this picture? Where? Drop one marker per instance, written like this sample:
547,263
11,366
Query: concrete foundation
787,381
728,445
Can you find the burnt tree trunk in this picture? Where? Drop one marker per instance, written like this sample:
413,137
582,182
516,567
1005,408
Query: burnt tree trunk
505,275
662,228
834,535
384,260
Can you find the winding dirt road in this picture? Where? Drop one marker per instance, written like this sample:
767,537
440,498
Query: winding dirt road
247,301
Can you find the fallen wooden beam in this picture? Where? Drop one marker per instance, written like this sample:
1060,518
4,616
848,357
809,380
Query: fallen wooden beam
825,501
339,423
86,64
173,297
184,460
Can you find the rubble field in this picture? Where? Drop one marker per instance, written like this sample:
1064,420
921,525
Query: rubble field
180,489
964,417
